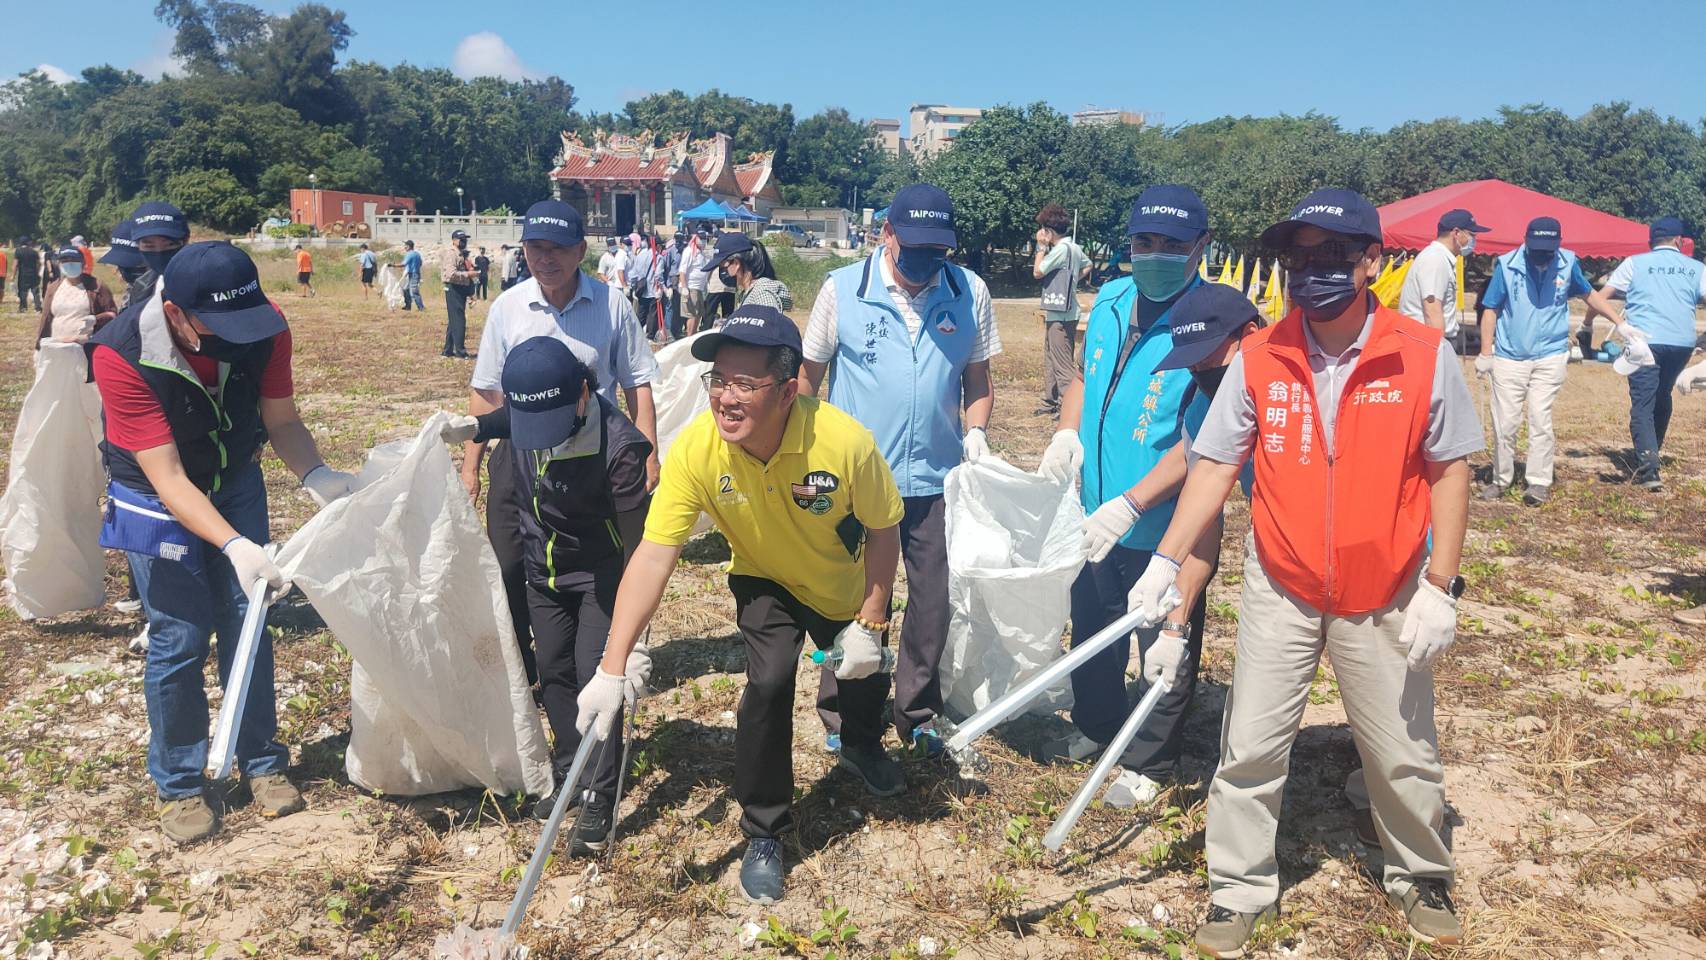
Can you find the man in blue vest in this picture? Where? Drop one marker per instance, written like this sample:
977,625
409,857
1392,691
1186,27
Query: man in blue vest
193,381
1117,423
910,335
1525,347
1659,289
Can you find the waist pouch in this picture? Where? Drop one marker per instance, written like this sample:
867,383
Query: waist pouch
137,523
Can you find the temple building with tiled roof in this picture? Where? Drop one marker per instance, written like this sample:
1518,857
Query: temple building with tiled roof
621,183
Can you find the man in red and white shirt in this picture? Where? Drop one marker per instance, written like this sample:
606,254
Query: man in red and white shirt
193,381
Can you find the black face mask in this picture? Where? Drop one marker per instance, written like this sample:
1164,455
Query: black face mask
1208,381
1541,259
131,274
157,259
723,275
222,350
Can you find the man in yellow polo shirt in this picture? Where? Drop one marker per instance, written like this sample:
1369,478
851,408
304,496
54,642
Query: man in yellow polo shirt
812,517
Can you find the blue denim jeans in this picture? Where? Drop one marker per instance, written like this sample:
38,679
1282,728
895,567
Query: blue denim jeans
1649,406
184,610
412,292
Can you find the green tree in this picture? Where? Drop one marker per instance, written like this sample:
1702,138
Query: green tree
213,197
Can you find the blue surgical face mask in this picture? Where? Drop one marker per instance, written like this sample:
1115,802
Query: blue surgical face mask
1469,247
1160,276
1322,292
70,269
919,264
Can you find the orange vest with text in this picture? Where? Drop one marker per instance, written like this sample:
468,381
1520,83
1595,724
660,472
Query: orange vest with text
1343,528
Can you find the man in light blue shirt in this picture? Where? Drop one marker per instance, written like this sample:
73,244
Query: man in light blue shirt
1659,289
369,266
412,276
1525,348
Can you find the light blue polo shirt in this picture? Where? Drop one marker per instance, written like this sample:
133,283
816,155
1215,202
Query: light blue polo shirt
1660,289
1128,425
1533,305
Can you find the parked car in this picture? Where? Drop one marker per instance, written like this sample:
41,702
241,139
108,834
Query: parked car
795,234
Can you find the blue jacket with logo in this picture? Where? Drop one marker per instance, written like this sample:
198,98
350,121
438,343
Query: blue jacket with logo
906,393
1129,425
1533,305
1664,287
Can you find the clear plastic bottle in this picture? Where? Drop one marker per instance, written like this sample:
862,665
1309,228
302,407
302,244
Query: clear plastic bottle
833,657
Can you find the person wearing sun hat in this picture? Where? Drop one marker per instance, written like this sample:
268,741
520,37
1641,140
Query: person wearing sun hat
193,381
581,464
812,516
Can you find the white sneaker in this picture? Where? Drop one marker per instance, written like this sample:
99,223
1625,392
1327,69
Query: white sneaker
1079,747
128,606
1131,790
139,643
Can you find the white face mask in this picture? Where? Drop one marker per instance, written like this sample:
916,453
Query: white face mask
71,269
1469,245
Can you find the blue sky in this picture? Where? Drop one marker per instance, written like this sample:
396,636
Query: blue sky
1369,64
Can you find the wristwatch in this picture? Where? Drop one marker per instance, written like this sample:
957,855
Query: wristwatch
1452,587
1174,626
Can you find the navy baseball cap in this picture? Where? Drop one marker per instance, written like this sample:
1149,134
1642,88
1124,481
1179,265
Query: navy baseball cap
555,222
68,253
922,216
1544,234
1460,220
1202,320
458,234
542,382
157,218
1331,209
753,325
1665,228
728,244
1168,209
218,284
122,252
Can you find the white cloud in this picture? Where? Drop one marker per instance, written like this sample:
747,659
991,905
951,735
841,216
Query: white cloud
54,73
487,55
160,62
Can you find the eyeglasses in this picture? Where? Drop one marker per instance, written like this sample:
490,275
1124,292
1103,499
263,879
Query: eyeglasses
741,389
1332,253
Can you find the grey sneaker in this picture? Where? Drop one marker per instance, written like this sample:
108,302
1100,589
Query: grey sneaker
1534,496
872,765
761,871
1428,910
188,819
1491,491
275,795
1655,485
1224,933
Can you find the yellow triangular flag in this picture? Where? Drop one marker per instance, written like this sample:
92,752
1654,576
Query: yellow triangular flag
1202,266
1238,273
1277,306
1225,271
1255,290
1273,292
1460,287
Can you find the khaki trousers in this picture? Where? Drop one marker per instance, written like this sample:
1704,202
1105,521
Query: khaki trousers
1391,712
1537,382
1060,360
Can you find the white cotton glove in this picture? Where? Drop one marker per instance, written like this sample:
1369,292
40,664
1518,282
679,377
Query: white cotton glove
1635,347
637,673
1430,625
861,652
1154,592
1105,526
975,446
252,563
1065,454
1164,659
325,484
459,429
1692,379
599,703
1483,364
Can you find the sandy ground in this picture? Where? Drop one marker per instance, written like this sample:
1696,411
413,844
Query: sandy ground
1572,713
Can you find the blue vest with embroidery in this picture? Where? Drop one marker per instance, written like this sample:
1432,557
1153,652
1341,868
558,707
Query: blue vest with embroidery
1662,293
1534,323
906,392
1128,425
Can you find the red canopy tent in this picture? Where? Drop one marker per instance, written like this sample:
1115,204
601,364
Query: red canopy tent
1413,223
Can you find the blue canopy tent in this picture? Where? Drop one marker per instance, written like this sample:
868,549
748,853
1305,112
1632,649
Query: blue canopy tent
742,213
880,215
709,210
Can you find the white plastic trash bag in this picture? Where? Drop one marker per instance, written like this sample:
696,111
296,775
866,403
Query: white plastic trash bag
50,515
1014,548
402,573
680,397
391,276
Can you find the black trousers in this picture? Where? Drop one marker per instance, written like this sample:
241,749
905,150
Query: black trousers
456,318
1099,703
570,627
25,292
480,287
717,305
773,625
503,528
646,309
924,628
